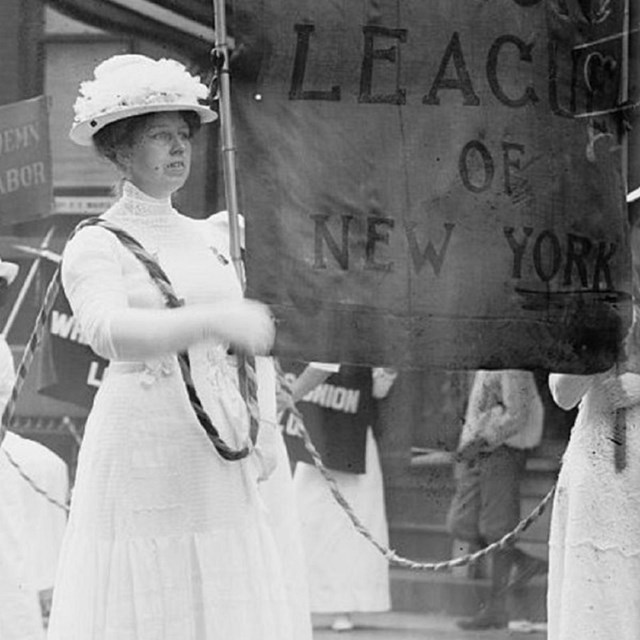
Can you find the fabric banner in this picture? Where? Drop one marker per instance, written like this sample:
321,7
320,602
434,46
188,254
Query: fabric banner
435,184
26,191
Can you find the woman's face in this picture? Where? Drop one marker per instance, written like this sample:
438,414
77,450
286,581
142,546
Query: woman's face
159,159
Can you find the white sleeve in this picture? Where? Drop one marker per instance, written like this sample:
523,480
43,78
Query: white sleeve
218,225
383,379
94,284
325,366
518,394
567,389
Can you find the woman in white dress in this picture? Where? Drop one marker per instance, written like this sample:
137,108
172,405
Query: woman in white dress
20,614
167,537
594,546
346,573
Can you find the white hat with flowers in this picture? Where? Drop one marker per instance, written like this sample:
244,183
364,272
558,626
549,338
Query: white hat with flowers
129,85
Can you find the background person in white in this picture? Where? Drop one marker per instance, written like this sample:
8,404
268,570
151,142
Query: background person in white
277,489
27,554
20,617
594,543
346,573
45,521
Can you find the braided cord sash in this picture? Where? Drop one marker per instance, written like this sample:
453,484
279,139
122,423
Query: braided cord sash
160,278
248,381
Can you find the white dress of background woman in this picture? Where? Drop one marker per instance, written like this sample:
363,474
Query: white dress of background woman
594,546
346,573
277,489
31,527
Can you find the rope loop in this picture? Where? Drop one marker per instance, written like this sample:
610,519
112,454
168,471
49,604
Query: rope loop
392,557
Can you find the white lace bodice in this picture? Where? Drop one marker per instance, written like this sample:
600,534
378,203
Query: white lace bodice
103,279
173,238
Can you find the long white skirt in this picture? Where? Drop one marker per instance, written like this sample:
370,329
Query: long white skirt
594,546
165,540
46,522
279,497
20,616
346,572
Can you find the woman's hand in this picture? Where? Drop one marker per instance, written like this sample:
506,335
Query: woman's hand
473,449
247,325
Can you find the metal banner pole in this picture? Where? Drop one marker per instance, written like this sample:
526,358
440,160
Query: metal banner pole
620,426
221,62
246,365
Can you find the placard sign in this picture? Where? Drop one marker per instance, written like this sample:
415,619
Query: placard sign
26,190
68,369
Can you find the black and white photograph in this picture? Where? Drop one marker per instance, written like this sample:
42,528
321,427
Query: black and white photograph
320,319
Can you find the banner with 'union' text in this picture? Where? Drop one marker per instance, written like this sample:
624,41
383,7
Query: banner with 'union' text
435,184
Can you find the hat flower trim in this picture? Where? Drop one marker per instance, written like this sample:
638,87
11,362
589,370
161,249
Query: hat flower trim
150,82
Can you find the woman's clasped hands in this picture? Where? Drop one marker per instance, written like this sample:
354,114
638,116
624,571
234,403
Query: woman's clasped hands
247,325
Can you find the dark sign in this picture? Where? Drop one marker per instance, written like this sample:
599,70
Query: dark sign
69,370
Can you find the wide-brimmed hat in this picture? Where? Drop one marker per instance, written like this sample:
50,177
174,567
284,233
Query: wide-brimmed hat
8,270
130,85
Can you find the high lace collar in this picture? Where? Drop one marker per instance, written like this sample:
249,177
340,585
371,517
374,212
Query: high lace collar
135,204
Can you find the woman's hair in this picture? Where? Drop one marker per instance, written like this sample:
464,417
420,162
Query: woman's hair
122,134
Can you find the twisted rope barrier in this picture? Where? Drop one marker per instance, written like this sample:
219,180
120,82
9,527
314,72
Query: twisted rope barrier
33,484
391,556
